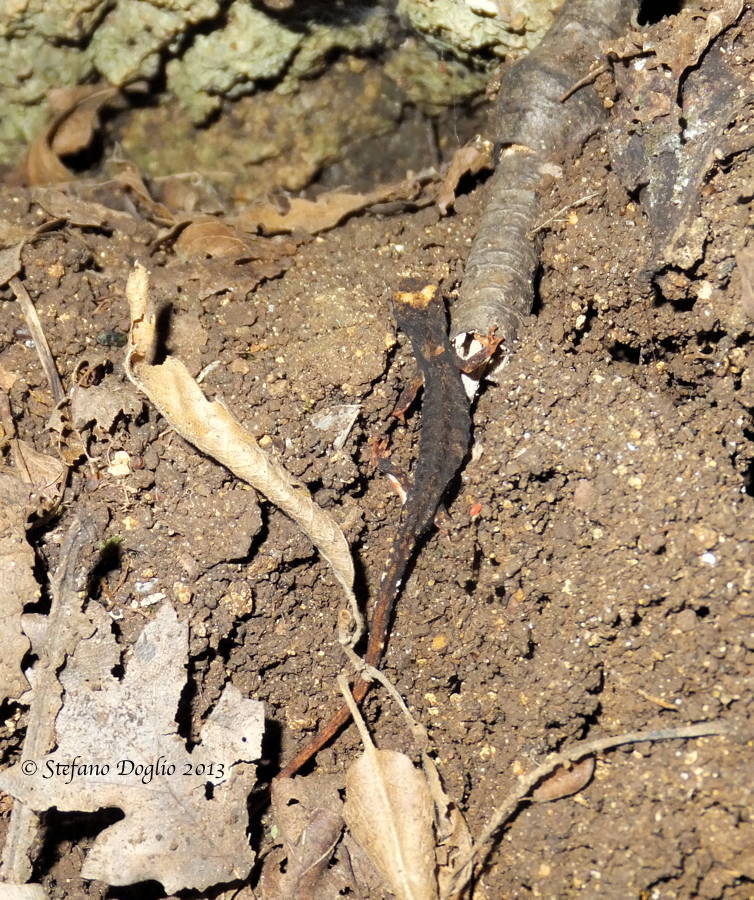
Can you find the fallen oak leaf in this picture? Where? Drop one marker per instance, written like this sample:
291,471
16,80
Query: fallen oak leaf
211,427
54,638
123,734
103,403
389,811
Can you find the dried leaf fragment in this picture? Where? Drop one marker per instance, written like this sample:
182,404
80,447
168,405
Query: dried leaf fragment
19,585
210,237
308,813
327,211
687,43
389,811
745,264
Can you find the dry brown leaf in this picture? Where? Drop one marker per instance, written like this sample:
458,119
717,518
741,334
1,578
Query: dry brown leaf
327,211
22,892
210,237
453,838
467,160
44,474
77,110
172,831
70,131
70,208
564,781
128,180
10,262
211,427
389,811
311,216
103,403
308,814
10,256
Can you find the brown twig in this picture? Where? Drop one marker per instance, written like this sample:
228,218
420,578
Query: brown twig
572,754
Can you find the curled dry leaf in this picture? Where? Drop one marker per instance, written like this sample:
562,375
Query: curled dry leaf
467,160
211,427
69,132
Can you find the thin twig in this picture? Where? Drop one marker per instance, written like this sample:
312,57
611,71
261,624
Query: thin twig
542,225
591,76
572,754
38,336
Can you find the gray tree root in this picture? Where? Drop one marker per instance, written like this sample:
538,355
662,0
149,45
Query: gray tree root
533,128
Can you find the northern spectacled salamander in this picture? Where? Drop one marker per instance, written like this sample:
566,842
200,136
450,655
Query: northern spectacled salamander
443,443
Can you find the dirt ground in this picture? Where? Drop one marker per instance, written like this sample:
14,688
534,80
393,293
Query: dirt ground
595,575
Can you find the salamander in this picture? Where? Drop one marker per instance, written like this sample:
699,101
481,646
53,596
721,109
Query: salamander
443,443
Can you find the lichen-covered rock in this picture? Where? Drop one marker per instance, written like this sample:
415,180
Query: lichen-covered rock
31,66
130,41
253,46
468,28
72,20
430,82
229,60
352,29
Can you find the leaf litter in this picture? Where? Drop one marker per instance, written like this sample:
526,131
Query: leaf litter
136,761
555,784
